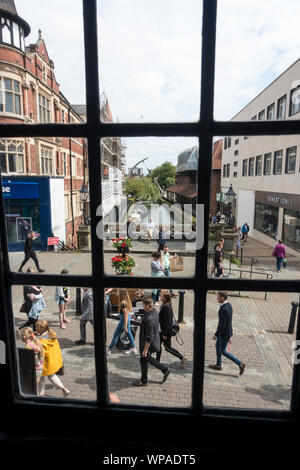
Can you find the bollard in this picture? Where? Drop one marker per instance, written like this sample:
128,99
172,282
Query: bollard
78,301
291,327
180,306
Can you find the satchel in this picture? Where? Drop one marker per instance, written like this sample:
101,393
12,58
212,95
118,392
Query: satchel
176,263
174,328
22,308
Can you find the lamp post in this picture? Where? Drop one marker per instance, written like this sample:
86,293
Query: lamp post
84,194
230,196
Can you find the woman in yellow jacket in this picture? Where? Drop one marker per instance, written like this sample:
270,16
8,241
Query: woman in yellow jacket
53,363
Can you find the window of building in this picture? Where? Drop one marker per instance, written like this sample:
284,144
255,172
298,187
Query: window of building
246,137
65,164
277,162
261,115
266,219
245,166
251,166
235,163
258,165
228,142
281,107
295,101
236,142
254,118
290,161
235,174
236,152
267,163
46,161
291,229
271,112
44,109
10,96
62,116
12,156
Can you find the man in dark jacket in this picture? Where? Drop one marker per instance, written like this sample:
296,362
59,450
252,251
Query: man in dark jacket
149,343
87,314
224,333
30,253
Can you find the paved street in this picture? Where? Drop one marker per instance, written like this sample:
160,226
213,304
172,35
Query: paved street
260,339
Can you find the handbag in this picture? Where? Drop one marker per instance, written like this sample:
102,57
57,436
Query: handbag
174,328
22,308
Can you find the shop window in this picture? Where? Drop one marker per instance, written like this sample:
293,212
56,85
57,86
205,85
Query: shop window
277,162
267,163
266,219
10,96
12,156
44,109
290,162
258,166
46,161
291,229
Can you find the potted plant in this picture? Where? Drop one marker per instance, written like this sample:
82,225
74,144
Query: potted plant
123,264
122,244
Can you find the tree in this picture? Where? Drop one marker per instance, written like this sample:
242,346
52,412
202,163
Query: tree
142,189
165,174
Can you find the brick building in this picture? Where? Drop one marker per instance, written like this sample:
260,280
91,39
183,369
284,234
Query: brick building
41,177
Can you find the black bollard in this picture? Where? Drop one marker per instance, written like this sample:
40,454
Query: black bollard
78,301
180,306
291,327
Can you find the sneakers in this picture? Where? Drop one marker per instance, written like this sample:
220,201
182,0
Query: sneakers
242,368
215,367
166,375
41,270
131,351
138,383
80,341
66,392
108,351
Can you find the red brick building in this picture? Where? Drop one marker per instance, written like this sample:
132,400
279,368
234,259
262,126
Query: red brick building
34,170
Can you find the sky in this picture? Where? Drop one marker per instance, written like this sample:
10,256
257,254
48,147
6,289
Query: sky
150,58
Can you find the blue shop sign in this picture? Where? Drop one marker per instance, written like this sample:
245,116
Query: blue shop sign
20,190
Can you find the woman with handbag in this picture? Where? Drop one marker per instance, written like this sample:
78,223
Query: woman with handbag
33,304
125,308
53,364
166,319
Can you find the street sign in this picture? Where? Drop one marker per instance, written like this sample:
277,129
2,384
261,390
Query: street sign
52,241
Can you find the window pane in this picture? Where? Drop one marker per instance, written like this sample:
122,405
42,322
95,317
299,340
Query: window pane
124,369
260,341
6,35
165,40
162,203
12,162
17,104
9,102
17,87
3,162
78,360
7,84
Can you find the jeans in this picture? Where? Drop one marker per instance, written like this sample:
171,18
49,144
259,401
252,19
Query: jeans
168,347
119,330
107,304
221,345
278,263
144,366
168,274
83,328
30,254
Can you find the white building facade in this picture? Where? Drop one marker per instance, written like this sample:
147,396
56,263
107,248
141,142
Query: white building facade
265,170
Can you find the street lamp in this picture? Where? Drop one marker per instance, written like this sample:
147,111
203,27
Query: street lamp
230,196
84,194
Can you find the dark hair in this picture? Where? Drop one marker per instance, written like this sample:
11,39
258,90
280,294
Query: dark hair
279,241
223,294
64,271
156,254
147,301
167,296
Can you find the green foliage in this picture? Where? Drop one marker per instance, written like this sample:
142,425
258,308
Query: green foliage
142,189
236,261
165,174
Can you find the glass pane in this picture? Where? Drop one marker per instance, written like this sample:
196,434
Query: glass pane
257,64
262,339
6,35
149,189
153,73
17,87
124,370
42,200
252,212
9,102
3,162
7,84
58,340
17,104
16,35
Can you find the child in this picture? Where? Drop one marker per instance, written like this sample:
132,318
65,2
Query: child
53,363
62,297
27,336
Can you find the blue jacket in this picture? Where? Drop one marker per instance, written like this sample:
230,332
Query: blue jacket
224,329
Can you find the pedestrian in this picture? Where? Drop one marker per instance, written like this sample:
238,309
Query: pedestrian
33,303
161,239
107,302
245,231
280,253
166,266
224,333
87,314
150,229
53,364
238,241
149,343
166,319
62,297
125,309
30,253
218,260
28,337
156,271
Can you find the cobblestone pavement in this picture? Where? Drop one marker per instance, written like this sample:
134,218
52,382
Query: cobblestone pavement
260,339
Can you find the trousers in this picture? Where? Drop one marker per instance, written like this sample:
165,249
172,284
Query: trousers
145,363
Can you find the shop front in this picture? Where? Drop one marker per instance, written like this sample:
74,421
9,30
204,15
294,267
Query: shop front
27,207
291,229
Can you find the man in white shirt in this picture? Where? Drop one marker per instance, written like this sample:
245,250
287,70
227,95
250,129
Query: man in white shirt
166,266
